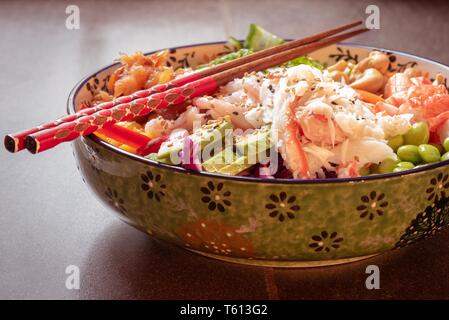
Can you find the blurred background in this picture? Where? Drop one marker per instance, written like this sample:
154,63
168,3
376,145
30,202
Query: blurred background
48,218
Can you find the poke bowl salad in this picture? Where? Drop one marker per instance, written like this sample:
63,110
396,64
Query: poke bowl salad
328,158
300,120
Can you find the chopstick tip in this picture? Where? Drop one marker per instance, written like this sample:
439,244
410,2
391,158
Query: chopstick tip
10,144
31,145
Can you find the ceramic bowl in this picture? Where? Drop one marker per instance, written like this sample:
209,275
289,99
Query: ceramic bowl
266,222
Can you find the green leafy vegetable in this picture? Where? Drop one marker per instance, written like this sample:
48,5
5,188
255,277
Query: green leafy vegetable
304,60
227,57
259,38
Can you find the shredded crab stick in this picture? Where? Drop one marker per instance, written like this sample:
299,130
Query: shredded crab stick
352,169
293,144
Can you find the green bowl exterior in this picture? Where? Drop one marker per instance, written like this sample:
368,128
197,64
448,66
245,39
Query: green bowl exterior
264,220
272,221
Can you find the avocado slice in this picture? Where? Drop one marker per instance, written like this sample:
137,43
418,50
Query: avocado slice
239,165
208,136
151,156
226,162
220,160
170,147
255,144
213,136
249,150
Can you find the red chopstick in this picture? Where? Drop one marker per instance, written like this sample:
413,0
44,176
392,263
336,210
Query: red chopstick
52,137
125,136
143,144
16,142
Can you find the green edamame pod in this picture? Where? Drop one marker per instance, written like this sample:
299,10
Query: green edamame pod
409,153
404,165
439,147
445,156
417,134
446,144
396,142
387,165
429,153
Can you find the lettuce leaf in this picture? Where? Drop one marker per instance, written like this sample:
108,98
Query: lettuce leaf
304,60
225,58
258,39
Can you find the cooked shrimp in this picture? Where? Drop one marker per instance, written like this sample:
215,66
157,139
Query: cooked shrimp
419,96
398,83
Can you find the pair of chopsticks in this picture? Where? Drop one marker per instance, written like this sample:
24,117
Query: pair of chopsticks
140,103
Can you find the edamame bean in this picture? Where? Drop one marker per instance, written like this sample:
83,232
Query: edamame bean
439,147
396,142
446,144
417,134
387,165
405,164
402,166
429,153
409,153
445,156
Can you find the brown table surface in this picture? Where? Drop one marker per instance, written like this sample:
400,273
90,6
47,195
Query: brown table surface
48,218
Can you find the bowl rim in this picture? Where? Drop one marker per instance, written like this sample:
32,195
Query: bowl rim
75,90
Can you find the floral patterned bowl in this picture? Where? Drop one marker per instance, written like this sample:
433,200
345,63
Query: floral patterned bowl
266,222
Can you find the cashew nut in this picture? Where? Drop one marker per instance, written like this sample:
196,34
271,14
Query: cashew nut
339,66
339,75
371,80
376,60
379,61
